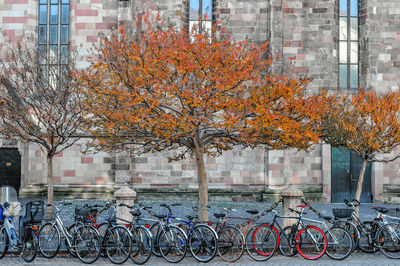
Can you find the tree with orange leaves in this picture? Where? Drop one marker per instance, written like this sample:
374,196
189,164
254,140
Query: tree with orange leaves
161,89
366,123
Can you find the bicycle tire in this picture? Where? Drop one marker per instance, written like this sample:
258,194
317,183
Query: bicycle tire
87,235
363,243
29,246
142,245
230,243
388,237
118,244
3,239
308,235
261,243
154,229
49,240
352,229
172,243
285,237
203,243
340,243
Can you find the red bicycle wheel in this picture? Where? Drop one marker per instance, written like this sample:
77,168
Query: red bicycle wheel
264,240
276,234
311,242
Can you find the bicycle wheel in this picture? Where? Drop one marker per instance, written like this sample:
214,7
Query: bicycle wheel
352,229
340,243
172,243
287,241
311,242
49,240
230,243
29,246
203,243
102,229
365,241
3,242
118,244
142,245
276,234
87,244
388,240
154,229
261,243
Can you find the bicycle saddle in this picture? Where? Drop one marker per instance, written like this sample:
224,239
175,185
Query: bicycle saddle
160,216
219,215
135,213
190,217
78,217
327,218
252,211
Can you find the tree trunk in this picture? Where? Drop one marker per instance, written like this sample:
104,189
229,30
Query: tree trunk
202,180
360,183
50,186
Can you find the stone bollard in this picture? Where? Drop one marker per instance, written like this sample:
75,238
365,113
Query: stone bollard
124,195
291,197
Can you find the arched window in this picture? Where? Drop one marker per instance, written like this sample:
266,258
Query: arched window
348,44
200,14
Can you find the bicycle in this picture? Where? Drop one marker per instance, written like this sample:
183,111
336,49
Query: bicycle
259,240
340,242
10,239
170,240
141,237
202,240
230,238
309,240
80,238
388,235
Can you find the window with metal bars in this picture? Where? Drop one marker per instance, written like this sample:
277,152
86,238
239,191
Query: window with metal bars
348,44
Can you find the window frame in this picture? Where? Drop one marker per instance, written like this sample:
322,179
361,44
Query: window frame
200,20
61,60
349,41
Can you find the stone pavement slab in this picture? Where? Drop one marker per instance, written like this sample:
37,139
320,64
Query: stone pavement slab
356,259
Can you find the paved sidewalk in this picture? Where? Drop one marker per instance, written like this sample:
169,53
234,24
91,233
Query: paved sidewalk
357,258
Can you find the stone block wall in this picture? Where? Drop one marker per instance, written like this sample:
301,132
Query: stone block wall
303,39
381,33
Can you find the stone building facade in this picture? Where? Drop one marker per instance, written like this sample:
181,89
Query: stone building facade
337,43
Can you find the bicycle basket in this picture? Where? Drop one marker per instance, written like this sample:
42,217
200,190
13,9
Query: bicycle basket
342,213
34,211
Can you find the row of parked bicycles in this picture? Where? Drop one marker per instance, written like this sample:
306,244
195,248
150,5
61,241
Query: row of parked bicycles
165,235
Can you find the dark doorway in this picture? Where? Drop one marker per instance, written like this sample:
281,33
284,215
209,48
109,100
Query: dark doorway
10,168
346,168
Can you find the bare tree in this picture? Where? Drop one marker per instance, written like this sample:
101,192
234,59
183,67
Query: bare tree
38,100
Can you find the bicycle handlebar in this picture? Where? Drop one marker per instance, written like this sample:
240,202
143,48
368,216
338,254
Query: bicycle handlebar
353,203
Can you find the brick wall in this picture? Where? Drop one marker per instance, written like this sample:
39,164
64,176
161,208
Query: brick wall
381,28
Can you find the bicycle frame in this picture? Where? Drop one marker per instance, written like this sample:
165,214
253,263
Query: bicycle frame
8,226
61,227
300,218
